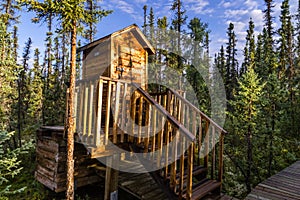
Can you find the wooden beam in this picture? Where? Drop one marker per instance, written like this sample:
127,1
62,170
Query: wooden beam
189,185
116,114
99,111
107,114
85,112
111,176
221,151
91,111
124,106
140,118
213,153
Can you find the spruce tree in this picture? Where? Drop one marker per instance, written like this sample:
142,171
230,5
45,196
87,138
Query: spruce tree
72,15
249,50
231,63
145,20
245,118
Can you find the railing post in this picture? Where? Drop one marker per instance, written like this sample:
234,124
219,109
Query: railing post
189,188
140,119
124,116
89,134
148,126
85,112
133,110
167,136
213,153
81,98
221,151
206,152
181,179
97,140
116,114
107,116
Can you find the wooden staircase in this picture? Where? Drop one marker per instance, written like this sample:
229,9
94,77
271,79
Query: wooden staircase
180,146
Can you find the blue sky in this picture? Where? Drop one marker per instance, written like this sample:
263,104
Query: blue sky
217,13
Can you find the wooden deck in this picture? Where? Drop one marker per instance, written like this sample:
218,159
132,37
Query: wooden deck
283,185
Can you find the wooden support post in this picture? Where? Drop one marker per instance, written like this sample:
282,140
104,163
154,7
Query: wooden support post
167,132
116,114
200,140
174,157
148,127
182,141
107,116
133,110
99,111
189,184
213,153
91,111
206,144
221,151
140,118
85,112
154,111
124,108
81,89
111,178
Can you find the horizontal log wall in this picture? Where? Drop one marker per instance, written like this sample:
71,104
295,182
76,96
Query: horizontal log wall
51,161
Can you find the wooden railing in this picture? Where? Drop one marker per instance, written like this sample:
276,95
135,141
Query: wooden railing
173,133
208,146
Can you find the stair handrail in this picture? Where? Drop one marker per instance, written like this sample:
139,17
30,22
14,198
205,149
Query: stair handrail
197,110
163,111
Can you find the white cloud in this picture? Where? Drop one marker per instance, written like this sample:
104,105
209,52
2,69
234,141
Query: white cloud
198,6
258,18
251,4
236,14
124,6
141,1
226,4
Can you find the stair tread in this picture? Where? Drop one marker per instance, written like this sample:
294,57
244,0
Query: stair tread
196,171
203,189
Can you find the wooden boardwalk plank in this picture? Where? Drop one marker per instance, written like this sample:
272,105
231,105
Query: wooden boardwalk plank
283,185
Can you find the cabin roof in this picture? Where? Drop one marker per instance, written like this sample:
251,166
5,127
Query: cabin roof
141,38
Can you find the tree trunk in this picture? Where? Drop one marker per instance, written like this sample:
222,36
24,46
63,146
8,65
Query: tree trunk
70,122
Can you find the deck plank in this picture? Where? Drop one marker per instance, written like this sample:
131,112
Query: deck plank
283,185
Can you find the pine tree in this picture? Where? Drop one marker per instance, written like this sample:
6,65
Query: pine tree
197,72
285,48
231,62
249,50
297,69
36,91
145,20
245,117
8,77
73,16
91,30
177,24
9,9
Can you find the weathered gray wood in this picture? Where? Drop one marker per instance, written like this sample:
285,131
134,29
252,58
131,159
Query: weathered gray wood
99,110
107,116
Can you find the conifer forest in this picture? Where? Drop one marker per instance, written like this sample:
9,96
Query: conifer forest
261,84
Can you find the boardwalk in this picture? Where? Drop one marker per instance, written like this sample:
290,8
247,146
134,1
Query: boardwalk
283,185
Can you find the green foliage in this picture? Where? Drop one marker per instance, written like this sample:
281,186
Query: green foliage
10,165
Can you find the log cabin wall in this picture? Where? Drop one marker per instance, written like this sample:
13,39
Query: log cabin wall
51,161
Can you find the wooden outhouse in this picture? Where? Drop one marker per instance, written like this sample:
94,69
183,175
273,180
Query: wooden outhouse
120,55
